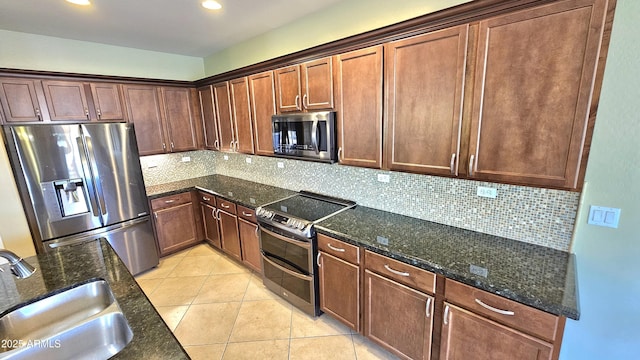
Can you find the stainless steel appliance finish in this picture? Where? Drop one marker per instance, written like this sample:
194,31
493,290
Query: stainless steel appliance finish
308,136
83,181
289,247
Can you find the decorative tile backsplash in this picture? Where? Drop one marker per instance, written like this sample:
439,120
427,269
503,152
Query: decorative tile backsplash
533,215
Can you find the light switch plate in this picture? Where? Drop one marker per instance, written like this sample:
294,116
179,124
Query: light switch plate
226,157
248,160
487,192
186,158
280,165
604,216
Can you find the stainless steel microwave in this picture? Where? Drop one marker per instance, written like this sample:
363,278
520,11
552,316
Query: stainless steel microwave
307,136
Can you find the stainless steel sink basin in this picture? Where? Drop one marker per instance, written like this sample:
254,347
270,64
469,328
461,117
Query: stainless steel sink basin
84,322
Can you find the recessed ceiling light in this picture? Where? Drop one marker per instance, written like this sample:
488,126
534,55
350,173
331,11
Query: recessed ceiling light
80,2
211,5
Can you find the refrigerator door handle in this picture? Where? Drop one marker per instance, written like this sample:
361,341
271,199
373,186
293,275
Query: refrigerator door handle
90,187
94,173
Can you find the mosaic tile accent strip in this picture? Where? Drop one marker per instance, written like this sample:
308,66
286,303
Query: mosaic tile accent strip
160,169
537,216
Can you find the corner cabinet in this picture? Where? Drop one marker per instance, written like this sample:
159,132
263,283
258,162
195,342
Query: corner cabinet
175,222
358,81
533,89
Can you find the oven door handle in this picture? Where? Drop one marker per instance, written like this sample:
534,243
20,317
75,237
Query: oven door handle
304,244
314,137
282,268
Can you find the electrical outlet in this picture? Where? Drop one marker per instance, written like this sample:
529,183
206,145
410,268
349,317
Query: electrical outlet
478,270
226,157
382,240
487,192
280,165
248,160
186,158
384,178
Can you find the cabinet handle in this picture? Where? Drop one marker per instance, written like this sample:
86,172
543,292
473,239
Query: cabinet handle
99,113
172,147
231,145
305,101
169,201
257,231
155,214
237,146
427,308
38,114
215,145
218,214
401,273
499,311
86,112
471,158
318,259
297,98
206,198
445,318
213,214
452,163
225,206
247,214
335,248
340,154
164,147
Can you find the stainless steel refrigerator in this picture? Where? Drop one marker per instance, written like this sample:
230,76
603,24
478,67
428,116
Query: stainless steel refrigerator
79,182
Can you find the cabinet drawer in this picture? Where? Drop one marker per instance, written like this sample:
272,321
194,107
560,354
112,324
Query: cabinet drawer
207,198
226,205
403,273
339,249
169,201
508,312
247,214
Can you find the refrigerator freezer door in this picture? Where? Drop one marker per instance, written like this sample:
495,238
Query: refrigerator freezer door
133,241
113,158
61,198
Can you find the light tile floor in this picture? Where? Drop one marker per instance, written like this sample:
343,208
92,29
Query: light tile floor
219,309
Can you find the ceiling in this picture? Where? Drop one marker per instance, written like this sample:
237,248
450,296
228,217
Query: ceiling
171,26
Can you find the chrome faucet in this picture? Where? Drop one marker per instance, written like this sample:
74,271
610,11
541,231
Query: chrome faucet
19,267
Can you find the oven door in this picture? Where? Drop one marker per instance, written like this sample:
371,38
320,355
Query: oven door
287,263
306,135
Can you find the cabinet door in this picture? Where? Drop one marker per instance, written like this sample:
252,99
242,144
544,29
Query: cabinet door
398,317
209,123
340,290
229,234
20,100
176,228
66,100
143,110
466,335
288,89
107,101
222,97
317,78
532,93
242,115
210,222
179,119
263,106
424,82
359,107
250,245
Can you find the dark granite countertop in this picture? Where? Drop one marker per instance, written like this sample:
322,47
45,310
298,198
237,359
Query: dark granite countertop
67,267
533,275
243,192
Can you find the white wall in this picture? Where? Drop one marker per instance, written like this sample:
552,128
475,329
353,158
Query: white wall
609,259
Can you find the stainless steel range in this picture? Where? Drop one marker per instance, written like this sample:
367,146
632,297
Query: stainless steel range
289,247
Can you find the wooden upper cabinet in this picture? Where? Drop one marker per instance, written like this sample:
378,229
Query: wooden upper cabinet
107,100
263,107
424,78
20,100
358,82
179,119
144,111
308,86
288,89
222,98
207,110
66,100
243,126
317,84
533,85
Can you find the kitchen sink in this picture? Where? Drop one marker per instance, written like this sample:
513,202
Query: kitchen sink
84,322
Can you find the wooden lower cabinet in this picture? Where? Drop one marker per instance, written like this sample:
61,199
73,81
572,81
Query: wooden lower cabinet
466,335
397,317
229,236
340,290
210,225
250,243
175,223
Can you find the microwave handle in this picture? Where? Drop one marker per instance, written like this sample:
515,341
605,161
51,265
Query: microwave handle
314,136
